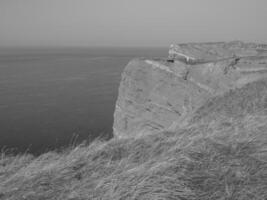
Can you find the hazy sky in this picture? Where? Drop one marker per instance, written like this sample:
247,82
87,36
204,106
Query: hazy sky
130,22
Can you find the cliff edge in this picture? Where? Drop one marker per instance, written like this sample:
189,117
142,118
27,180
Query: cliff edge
217,149
161,94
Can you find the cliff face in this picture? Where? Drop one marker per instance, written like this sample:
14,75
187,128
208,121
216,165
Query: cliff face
157,95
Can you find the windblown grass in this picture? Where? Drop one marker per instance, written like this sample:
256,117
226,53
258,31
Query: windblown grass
209,160
236,103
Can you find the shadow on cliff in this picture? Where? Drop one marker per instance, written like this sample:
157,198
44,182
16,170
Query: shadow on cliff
220,154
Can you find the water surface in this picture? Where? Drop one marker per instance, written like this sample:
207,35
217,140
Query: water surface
49,95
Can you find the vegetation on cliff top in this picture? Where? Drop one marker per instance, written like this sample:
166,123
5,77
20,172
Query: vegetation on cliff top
221,154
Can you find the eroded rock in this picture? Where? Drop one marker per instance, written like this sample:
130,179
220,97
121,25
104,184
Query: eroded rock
156,95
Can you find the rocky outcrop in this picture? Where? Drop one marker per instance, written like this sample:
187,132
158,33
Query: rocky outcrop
157,95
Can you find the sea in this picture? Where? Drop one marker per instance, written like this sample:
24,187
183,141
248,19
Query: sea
52,98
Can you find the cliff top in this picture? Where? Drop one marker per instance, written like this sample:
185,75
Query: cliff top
193,53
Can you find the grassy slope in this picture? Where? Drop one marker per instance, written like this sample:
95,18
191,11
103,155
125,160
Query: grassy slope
222,154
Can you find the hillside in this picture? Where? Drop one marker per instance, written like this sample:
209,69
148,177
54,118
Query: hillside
219,153
156,95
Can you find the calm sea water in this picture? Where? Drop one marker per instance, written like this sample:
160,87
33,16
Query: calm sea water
48,96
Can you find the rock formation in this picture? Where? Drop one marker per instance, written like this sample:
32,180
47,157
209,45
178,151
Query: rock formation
159,94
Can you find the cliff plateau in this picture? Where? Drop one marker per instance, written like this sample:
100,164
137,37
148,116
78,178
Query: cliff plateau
156,95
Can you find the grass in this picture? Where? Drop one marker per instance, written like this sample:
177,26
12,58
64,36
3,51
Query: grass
236,103
221,154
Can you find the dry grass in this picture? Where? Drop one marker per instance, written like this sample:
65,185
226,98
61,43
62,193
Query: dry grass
237,103
209,159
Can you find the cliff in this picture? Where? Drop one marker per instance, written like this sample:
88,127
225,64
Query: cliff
217,149
161,94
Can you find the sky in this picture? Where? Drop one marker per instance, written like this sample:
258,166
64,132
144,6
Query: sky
130,22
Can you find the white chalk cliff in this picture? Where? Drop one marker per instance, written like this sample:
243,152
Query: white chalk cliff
159,94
